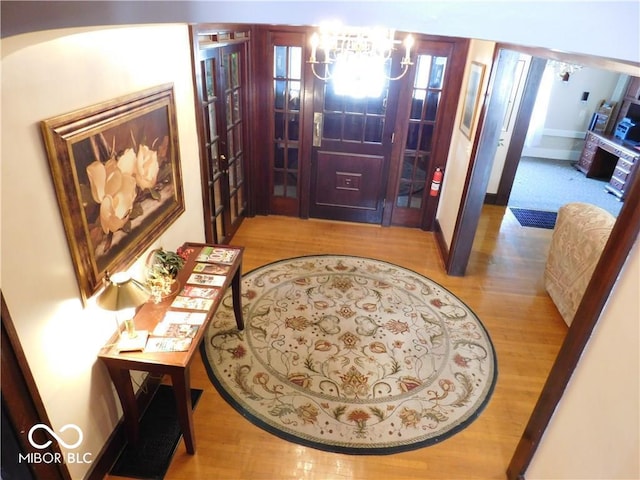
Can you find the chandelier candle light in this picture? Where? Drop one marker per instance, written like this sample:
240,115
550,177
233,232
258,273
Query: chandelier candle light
359,57
564,69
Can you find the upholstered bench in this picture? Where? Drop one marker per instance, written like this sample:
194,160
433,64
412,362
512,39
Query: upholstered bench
577,241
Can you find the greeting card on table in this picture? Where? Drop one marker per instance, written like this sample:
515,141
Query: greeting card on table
211,268
192,303
166,344
192,318
175,330
201,292
208,280
217,255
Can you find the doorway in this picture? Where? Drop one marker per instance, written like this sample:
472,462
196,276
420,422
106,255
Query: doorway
351,155
550,124
338,152
621,241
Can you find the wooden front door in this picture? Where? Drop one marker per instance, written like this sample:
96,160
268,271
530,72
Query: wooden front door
352,138
342,155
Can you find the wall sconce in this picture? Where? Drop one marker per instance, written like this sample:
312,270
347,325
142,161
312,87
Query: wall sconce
564,69
123,295
359,55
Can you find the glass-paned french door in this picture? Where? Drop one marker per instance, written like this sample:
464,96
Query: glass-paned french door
232,142
213,179
285,99
420,117
287,66
425,99
221,89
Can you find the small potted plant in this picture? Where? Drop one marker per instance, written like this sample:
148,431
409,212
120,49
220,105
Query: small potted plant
162,269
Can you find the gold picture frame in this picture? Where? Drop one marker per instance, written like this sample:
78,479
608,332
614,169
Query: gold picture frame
117,176
471,98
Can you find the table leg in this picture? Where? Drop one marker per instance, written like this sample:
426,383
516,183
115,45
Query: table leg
182,391
236,292
121,378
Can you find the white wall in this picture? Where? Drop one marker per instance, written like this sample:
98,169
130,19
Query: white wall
567,111
594,433
563,25
568,117
460,149
44,75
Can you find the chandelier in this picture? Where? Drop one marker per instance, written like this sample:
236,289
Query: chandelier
564,69
359,56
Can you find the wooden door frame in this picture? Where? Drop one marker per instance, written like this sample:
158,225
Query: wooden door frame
21,400
483,152
219,36
623,236
455,49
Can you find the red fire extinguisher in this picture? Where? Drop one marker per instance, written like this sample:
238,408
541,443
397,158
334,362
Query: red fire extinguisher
435,182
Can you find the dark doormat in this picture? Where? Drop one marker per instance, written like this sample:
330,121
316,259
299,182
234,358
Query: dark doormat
159,436
535,218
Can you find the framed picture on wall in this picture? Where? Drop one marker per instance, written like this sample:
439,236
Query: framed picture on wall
116,172
471,98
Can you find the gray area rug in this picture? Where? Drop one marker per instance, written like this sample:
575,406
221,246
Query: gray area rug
544,184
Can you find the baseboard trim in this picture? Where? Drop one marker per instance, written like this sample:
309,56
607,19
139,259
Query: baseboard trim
441,243
491,198
117,440
552,153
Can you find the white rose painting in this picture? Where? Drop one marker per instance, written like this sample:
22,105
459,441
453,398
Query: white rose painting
116,169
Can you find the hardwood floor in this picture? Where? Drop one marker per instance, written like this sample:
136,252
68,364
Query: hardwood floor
503,286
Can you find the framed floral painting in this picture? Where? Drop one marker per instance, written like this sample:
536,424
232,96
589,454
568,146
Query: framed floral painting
116,172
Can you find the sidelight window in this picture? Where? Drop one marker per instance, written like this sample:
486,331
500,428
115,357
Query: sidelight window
425,100
287,85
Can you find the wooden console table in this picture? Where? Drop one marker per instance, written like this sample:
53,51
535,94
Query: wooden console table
174,364
607,157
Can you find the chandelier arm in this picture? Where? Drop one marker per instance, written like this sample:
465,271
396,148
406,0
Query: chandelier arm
405,69
366,43
326,76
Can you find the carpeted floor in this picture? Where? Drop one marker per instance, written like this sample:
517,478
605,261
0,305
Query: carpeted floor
351,355
544,184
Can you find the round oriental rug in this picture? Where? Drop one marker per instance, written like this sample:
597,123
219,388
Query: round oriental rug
351,355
